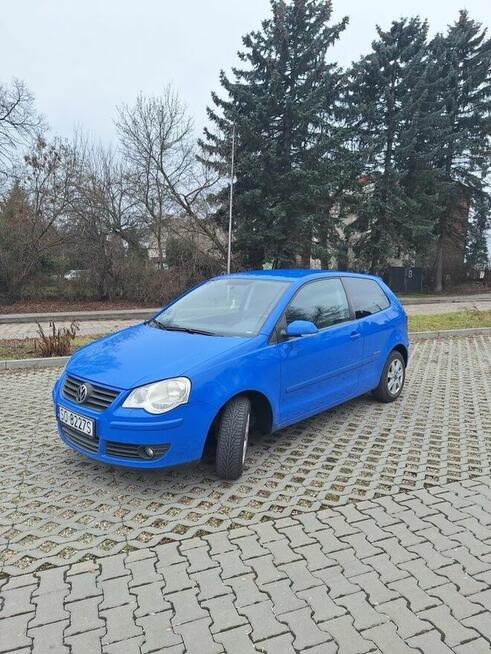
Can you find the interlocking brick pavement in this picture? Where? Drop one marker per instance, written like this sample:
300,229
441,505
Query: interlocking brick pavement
365,529
57,507
320,589
86,327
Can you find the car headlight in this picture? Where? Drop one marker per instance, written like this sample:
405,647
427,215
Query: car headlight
159,397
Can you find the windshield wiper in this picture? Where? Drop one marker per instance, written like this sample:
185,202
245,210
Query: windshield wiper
188,330
154,323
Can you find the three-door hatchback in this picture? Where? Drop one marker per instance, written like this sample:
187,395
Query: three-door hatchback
260,349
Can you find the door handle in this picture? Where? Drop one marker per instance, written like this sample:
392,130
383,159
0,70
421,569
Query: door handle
355,335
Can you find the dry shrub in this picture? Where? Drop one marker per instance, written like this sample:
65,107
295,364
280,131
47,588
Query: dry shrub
157,287
58,342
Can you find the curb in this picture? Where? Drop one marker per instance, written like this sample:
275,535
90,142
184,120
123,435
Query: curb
471,331
55,362
50,362
119,314
443,300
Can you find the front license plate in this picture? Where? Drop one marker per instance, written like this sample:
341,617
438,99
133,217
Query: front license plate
76,421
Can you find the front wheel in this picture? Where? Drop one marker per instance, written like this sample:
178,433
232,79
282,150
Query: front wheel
392,379
233,438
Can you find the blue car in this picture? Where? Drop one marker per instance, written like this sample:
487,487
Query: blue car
257,350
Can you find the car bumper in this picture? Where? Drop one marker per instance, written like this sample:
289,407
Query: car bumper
177,437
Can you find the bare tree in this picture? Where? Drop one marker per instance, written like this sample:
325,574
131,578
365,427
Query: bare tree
157,141
103,222
33,213
19,120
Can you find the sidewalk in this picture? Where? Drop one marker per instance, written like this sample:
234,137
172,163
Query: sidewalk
431,308
87,328
58,316
444,299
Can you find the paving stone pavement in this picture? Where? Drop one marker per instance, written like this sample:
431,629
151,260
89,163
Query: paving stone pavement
87,328
364,529
56,506
397,574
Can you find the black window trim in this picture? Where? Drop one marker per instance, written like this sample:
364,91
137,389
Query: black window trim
365,279
275,336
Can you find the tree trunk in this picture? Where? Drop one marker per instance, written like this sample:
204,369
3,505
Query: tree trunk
305,258
452,232
374,264
438,279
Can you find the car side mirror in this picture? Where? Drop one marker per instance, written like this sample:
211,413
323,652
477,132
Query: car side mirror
300,328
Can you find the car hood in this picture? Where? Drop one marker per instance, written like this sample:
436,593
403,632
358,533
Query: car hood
141,355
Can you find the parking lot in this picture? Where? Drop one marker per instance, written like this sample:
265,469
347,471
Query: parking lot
307,552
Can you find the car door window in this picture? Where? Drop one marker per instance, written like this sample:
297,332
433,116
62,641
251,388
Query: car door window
324,303
365,295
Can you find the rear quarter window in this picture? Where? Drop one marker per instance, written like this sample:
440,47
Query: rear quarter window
365,295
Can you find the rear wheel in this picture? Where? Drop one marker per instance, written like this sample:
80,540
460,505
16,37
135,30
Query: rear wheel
392,379
233,438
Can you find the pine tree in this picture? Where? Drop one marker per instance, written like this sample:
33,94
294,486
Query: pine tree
477,256
462,63
390,102
291,159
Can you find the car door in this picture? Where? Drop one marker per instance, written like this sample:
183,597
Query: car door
375,324
319,370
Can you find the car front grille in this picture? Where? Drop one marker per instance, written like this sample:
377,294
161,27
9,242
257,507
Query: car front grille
98,398
82,441
134,452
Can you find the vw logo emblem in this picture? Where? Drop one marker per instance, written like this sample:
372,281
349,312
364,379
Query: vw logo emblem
82,392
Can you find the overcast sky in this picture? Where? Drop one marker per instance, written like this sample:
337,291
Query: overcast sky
81,58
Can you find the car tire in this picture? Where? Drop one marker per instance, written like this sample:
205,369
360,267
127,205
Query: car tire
392,378
233,438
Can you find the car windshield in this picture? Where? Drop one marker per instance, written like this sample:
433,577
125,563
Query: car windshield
223,307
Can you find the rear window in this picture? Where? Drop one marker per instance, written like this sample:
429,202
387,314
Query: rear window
366,296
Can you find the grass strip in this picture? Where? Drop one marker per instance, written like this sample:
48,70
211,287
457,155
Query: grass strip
458,320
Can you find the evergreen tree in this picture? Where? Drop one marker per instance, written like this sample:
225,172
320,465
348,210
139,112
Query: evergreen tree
390,97
291,159
477,255
462,63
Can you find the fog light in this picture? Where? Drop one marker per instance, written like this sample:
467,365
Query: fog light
149,453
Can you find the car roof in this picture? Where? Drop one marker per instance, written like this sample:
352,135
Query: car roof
292,274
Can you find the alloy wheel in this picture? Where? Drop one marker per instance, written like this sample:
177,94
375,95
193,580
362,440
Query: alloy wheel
395,376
